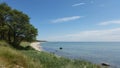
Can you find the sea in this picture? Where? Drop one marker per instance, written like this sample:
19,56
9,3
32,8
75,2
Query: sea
95,52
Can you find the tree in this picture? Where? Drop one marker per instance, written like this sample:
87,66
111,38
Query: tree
4,14
15,26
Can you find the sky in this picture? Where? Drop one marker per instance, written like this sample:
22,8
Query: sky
73,20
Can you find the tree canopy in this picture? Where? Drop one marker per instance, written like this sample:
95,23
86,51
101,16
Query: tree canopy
15,26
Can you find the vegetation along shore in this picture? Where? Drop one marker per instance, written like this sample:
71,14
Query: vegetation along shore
16,51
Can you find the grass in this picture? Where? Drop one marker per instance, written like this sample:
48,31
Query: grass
3,43
12,58
24,44
51,61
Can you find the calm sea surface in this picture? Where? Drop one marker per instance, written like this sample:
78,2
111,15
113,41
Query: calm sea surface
96,52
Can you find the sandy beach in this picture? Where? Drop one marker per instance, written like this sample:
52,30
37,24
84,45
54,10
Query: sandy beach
36,46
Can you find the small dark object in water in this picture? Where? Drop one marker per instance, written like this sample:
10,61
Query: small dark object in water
60,48
105,64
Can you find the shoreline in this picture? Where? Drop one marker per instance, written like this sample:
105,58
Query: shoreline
36,46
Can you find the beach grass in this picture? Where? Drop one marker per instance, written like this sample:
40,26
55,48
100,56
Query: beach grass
13,58
51,61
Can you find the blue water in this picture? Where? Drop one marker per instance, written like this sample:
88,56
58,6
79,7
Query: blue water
96,52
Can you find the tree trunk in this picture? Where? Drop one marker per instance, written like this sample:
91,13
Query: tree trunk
9,39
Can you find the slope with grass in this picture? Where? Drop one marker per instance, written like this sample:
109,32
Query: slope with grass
13,58
51,61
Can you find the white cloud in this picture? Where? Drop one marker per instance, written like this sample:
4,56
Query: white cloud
65,19
110,22
91,36
78,4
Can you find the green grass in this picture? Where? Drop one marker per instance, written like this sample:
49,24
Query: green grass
51,61
25,44
12,58
3,43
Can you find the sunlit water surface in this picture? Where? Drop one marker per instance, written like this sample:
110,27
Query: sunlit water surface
95,52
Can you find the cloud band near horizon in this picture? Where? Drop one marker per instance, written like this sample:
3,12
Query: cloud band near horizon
91,36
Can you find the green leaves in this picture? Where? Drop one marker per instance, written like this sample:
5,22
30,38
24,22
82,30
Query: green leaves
15,25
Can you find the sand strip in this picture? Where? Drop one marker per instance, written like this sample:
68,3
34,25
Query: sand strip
36,46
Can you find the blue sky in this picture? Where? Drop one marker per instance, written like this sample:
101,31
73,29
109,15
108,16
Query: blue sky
72,20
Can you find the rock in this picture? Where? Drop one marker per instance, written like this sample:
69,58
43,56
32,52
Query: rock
60,48
105,64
